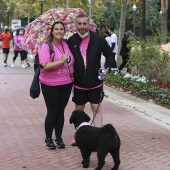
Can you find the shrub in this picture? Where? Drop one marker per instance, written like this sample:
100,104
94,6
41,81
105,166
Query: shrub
148,59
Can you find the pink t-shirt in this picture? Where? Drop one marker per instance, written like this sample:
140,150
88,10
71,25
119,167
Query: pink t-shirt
83,49
18,39
61,74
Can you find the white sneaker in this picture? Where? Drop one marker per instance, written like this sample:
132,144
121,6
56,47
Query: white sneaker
116,73
23,66
5,64
12,65
114,69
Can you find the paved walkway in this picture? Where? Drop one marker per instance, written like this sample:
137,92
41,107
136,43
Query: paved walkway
143,128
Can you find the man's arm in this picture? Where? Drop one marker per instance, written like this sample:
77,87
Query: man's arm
113,46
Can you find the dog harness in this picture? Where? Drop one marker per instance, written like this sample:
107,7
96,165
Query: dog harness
82,124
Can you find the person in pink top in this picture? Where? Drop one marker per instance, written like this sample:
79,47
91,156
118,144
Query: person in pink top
18,39
56,83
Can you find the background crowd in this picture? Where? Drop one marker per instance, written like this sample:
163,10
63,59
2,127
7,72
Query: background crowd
13,40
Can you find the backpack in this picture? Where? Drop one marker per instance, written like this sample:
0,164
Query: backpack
36,60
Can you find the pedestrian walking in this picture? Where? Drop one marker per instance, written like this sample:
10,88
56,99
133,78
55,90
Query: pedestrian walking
18,39
5,37
125,49
108,38
56,83
87,48
114,45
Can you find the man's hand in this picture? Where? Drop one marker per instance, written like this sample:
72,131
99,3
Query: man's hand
106,71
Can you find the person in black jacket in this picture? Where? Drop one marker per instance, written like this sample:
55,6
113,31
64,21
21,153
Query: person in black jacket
125,49
87,48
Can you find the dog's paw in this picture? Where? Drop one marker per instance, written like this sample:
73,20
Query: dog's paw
85,165
97,168
114,168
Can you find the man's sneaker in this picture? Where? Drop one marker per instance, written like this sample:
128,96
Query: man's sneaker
73,142
116,73
12,65
28,65
5,64
49,144
23,66
59,143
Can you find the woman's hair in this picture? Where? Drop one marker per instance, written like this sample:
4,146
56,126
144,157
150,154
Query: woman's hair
17,32
50,39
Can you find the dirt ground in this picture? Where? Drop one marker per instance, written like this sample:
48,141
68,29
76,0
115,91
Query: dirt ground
166,47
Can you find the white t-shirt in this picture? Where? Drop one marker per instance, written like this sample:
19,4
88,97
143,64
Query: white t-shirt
108,39
114,40
14,33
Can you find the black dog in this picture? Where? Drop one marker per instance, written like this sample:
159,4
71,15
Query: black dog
89,139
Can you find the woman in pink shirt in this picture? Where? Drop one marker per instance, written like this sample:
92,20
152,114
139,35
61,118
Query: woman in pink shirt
18,39
56,83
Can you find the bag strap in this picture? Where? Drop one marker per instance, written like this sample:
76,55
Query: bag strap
51,50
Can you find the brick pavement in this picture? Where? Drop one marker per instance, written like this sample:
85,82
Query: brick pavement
145,145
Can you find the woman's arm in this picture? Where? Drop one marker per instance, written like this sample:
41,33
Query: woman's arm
54,64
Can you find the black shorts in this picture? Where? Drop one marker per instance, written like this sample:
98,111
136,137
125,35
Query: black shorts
5,50
94,96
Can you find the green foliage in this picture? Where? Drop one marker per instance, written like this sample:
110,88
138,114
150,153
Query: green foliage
147,58
104,12
32,8
144,90
109,15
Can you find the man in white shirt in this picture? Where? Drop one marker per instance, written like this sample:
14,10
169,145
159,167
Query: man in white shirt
108,38
113,44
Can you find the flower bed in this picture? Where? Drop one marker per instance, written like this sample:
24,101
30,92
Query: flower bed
160,94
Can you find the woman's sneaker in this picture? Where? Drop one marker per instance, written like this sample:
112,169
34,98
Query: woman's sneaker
73,142
23,66
49,144
12,65
59,143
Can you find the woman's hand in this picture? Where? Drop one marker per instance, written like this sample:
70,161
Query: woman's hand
64,57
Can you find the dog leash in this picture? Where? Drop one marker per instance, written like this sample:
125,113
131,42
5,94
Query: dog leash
101,96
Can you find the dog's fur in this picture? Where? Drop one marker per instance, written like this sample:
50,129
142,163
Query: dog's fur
89,139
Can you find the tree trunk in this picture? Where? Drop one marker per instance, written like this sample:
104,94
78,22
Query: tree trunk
121,30
164,29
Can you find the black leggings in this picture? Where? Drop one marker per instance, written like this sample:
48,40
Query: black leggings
125,58
16,55
56,99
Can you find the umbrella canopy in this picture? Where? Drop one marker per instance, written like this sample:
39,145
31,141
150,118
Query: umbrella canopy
37,32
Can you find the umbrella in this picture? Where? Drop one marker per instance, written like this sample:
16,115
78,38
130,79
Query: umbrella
37,32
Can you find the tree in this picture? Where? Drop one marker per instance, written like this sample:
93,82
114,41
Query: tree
164,9
32,8
121,29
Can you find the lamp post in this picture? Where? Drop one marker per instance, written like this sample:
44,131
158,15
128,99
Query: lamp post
90,10
134,8
160,20
143,19
67,3
0,19
41,3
